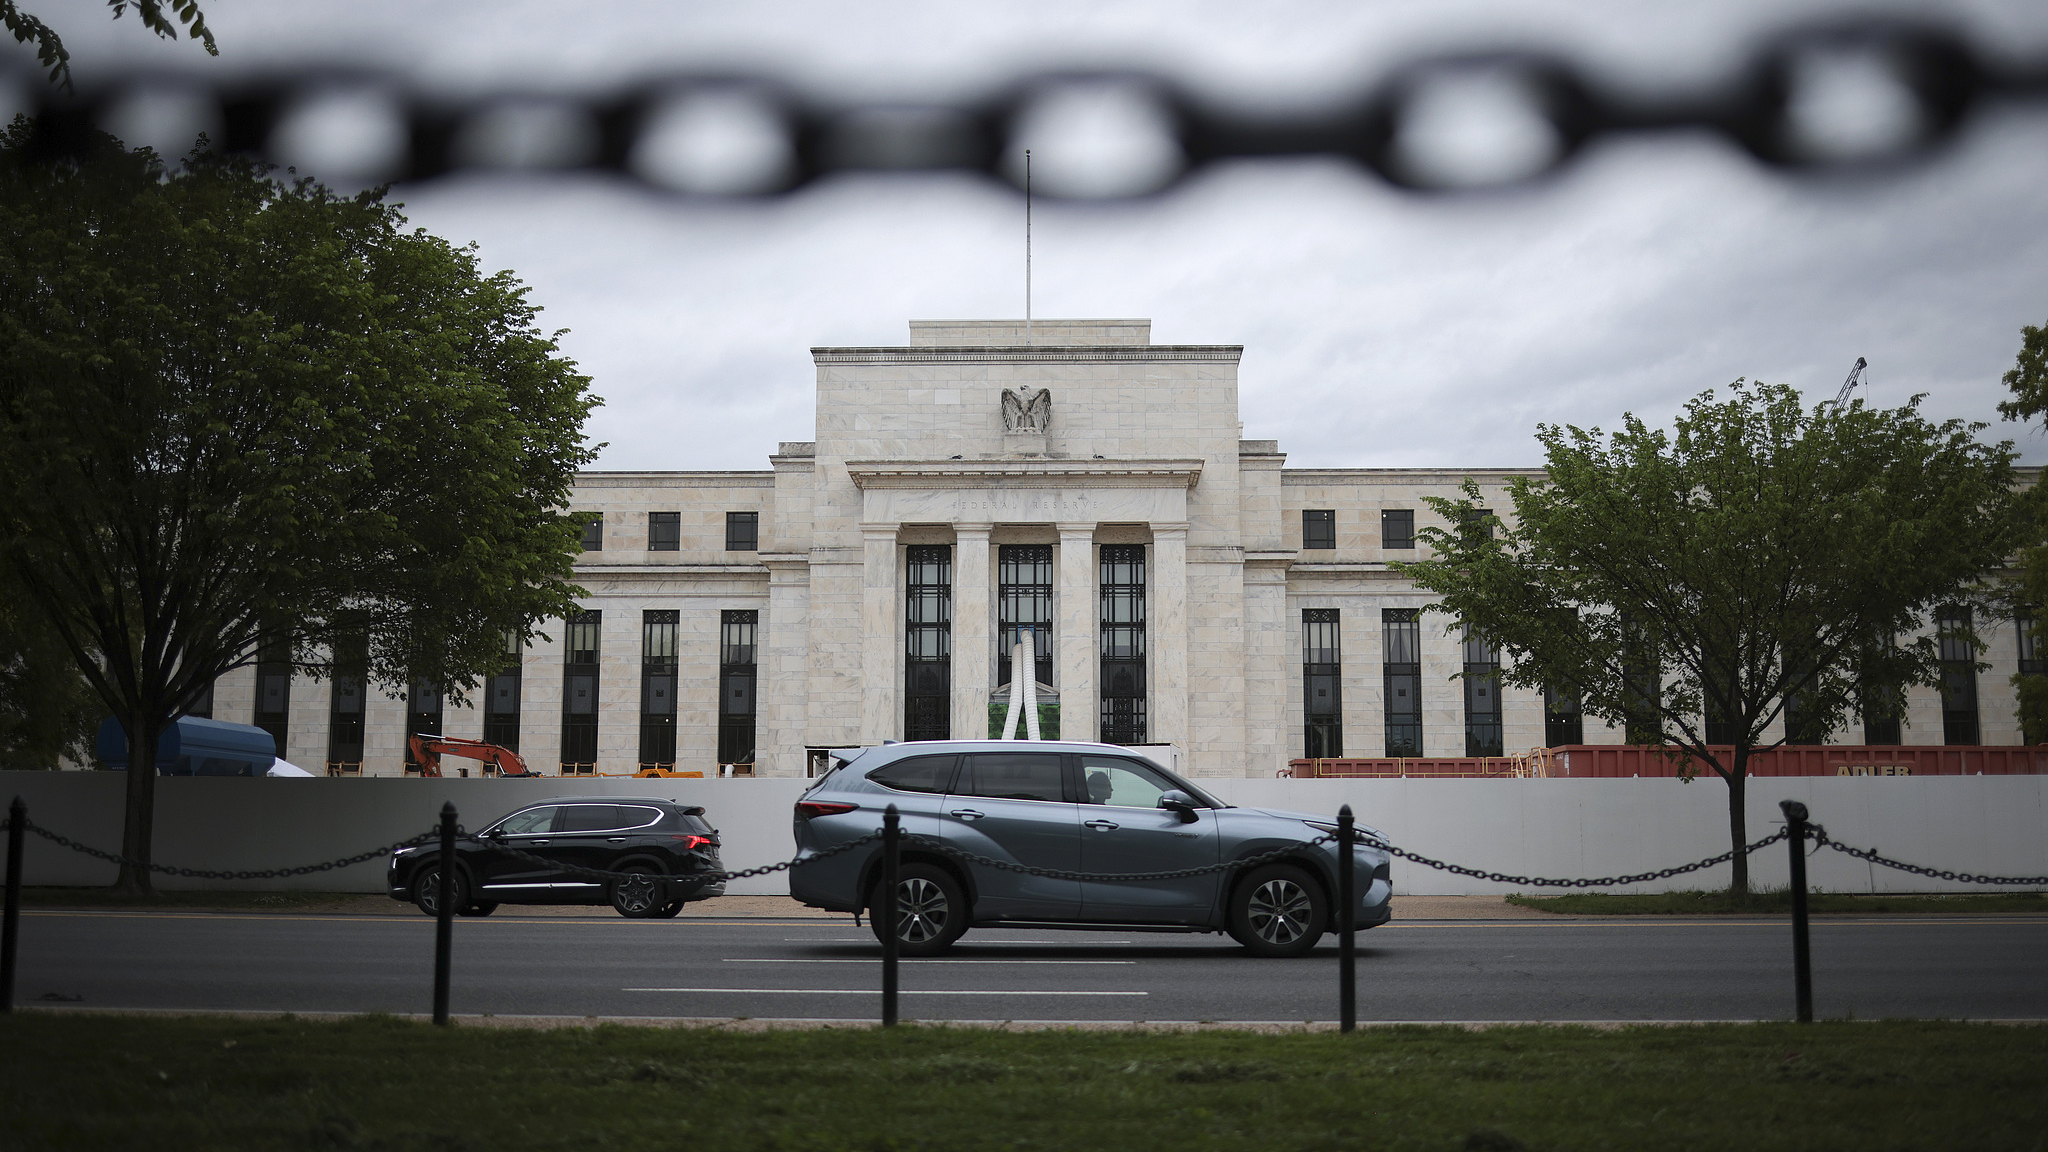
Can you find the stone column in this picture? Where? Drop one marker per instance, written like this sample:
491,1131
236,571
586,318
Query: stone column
1166,633
1076,632
782,686
973,623
881,636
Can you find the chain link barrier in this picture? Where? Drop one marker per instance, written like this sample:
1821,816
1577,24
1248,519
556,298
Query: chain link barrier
640,129
204,874
1818,835
1821,839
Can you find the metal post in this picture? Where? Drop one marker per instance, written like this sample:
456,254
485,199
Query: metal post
1347,926
444,913
1802,959
885,914
10,928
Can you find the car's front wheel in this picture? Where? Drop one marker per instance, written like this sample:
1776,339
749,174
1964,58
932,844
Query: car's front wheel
931,910
426,890
639,895
1278,911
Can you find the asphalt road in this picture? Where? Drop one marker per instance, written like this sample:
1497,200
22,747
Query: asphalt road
1707,969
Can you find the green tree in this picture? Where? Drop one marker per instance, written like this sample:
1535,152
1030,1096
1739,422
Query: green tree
47,710
163,17
244,415
1757,551
2028,592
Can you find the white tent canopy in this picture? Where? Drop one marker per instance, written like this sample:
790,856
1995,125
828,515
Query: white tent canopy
283,767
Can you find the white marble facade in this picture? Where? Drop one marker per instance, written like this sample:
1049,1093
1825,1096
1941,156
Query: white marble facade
911,448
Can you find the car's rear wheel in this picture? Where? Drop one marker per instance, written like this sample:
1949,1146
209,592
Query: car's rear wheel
1278,911
426,890
669,910
640,895
478,908
931,910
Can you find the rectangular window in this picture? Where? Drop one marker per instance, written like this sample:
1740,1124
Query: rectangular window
501,697
1397,528
1120,581
1719,730
658,688
1476,524
1482,696
1800,725
422,716
579,693
1881,708
1318,528
1322,695
928,644
2031,661
1642,672
593,532
1563,723
736,678
274,692
664,531
1402,635
1024,603
742,531
346,706
1958,676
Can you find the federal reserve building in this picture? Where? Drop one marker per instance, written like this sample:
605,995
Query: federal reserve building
1066,508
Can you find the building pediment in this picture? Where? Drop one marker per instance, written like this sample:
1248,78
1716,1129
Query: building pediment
927,475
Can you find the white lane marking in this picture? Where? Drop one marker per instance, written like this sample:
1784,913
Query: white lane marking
877,992
877,960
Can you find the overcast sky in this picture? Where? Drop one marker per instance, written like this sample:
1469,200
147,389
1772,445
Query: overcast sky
1380,329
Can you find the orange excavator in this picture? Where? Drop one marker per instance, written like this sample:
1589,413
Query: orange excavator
428,750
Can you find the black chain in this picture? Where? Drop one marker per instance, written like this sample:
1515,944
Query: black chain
1822,840
1602,882
810,135
204,874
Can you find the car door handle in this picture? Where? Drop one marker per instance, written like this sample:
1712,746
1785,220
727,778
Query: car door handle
965,813
1103,825
537,843
615,839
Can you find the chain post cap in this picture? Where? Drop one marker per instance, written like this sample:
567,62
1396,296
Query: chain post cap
1793,810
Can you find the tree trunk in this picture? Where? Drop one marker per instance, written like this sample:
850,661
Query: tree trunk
138,829
1738,829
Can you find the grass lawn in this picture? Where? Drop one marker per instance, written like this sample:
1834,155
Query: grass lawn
115,1082
1718,901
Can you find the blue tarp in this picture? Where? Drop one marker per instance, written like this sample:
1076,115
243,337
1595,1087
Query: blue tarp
196,747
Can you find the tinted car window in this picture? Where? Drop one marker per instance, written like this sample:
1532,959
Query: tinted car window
917,774
532,822
637,815
589,818
1124,783
1011,776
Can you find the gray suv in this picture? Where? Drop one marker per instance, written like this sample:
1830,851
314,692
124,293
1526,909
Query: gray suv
1070,807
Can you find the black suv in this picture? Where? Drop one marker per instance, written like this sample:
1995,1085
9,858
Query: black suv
662,843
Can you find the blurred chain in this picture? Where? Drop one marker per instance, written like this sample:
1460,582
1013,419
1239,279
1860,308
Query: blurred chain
204,874
1822,840
1602,882
1919,82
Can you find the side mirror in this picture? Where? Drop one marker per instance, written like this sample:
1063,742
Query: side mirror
495,834
1175,800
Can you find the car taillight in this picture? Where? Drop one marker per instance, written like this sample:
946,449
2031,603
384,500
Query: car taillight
810,808
690,842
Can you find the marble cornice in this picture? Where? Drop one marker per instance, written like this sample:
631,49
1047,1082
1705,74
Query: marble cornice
938,474
1037,354
603,570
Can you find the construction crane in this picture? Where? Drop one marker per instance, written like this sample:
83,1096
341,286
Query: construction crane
427,751
1855,373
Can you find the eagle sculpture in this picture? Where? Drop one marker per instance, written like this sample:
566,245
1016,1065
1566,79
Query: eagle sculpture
1027,411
